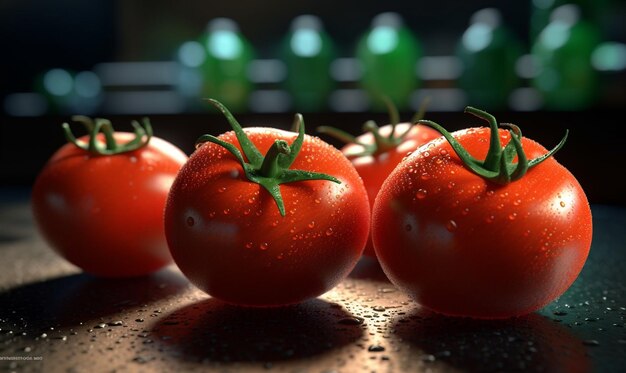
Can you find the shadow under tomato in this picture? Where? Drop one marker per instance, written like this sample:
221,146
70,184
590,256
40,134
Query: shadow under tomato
70,300
212,331
528,343
369,269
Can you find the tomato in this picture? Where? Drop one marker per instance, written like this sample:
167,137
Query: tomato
377,152
271,230
499,244
101,206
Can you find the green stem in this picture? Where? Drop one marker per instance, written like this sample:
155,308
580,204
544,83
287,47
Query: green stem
271,170
143,134
270,167
494,154
498,165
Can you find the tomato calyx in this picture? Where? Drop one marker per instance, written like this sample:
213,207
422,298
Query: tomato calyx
498,165
382,143
271,170
143,134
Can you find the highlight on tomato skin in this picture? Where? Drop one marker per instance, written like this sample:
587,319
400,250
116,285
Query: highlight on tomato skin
465,245
99,200
283,224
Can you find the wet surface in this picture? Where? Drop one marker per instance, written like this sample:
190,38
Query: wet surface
54,318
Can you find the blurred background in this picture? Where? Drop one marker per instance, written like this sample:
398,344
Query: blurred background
546,65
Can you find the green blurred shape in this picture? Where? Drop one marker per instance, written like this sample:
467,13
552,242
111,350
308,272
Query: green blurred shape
563,50
388,53
488,52
308,51
594,11
224,70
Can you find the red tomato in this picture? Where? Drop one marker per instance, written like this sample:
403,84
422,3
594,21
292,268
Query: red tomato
228,236
104,213
375,168
463,245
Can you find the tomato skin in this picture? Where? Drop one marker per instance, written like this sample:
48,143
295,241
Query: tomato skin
228,237
374,169
104,213
464,246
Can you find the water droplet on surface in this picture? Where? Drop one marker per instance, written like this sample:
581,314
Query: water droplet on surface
490,219
379,308
249,245
517,202
317,200
190,221
451,184
465,211
559,313
351,321
226,211
512,216
425,176
221,189
263,246
421,194
329,232
375,348
451,226
312,224
591,342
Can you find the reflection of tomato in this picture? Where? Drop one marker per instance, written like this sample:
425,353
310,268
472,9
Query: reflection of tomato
375,154
463,245
104,213
243,245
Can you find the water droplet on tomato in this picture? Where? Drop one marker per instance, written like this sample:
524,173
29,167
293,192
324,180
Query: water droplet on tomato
421,194
517,202
512,216
279,256
426,154
490,193
190,221
425,176
221,189
259,212
275,223
317,200
226,211
490,219
246,212
329,232
451,226
312,224
451,184
263,246
465,211
251,200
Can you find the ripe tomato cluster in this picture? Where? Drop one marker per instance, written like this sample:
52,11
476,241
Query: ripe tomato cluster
465,225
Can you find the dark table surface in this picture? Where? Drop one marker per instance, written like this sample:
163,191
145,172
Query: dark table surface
55,318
